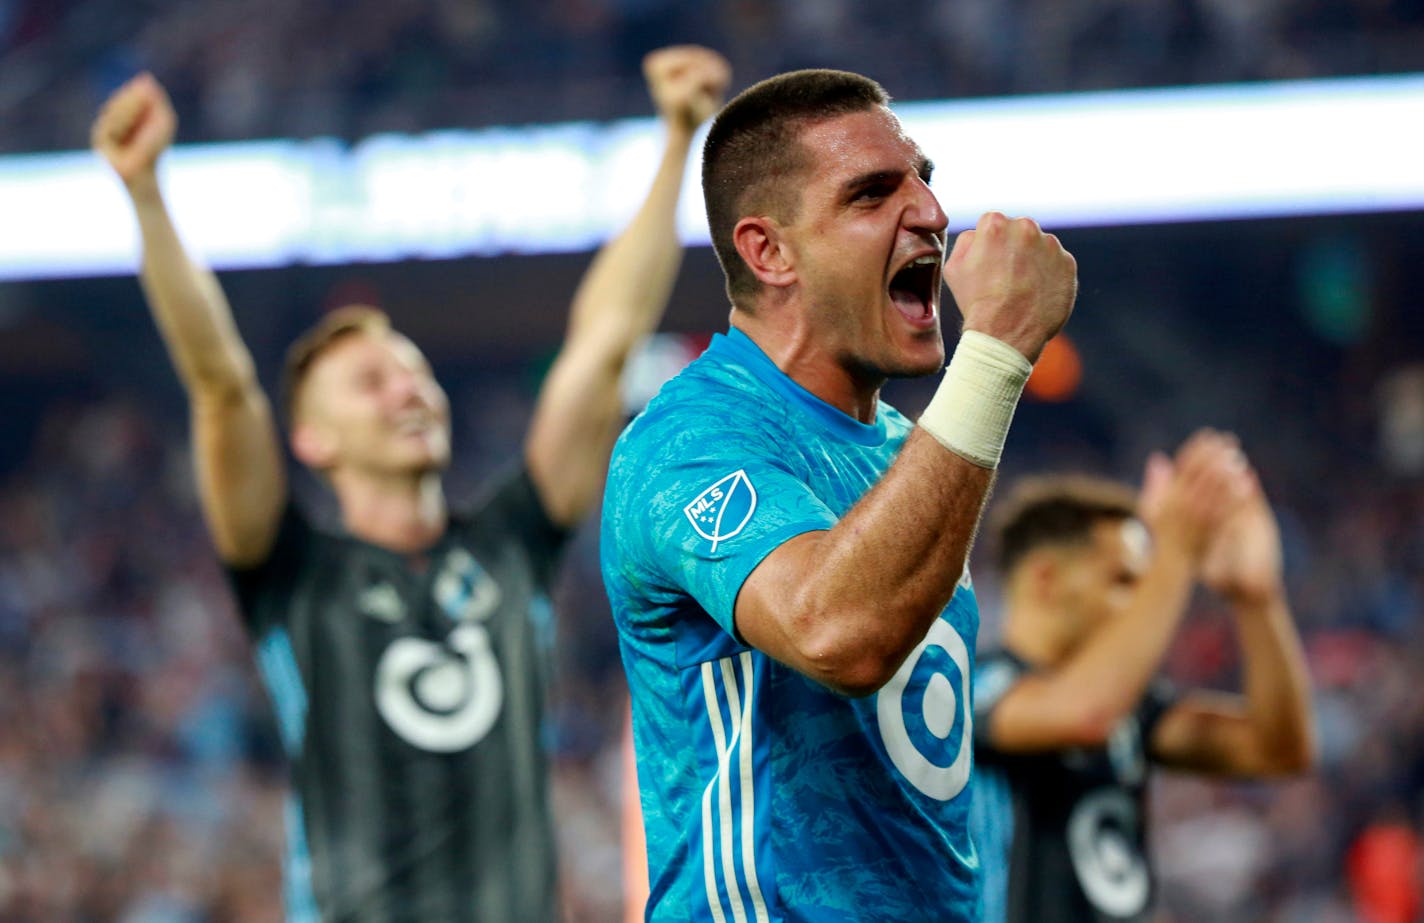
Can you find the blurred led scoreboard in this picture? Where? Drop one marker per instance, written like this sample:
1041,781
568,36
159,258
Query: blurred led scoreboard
1131,157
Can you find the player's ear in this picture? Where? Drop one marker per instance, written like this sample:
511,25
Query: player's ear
314,445
1042,571
760,243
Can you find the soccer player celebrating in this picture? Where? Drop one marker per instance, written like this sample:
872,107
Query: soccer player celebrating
784,552
1068,715
402,655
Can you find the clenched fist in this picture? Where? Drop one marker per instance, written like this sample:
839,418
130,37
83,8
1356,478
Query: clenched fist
1012,282
135,125
687,83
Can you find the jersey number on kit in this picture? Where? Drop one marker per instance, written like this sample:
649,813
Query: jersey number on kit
444,696
920,709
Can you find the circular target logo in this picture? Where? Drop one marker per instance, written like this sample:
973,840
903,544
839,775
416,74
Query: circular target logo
1102,840
924,714
440,697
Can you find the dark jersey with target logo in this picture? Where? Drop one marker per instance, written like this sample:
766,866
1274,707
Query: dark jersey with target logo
409,691
1062,835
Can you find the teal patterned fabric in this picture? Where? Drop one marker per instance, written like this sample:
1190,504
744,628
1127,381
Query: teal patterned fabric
766,796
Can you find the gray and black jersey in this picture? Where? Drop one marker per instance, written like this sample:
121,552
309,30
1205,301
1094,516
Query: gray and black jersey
409,693
1061,835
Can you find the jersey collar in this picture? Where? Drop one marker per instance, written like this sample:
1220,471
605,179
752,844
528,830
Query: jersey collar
736,347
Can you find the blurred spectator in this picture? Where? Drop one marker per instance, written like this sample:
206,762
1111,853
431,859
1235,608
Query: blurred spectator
267,68
1383,866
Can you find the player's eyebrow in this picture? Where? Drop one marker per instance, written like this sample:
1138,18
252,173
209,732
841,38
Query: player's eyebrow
924,168
874,178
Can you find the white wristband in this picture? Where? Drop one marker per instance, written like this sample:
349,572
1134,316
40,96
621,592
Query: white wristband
974,404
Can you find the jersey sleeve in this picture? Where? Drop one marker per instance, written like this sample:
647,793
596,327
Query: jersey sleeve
698,511
994,676
263,589
512,500
1161,695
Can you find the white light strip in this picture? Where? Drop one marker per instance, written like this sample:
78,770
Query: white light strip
1257,150
1311,147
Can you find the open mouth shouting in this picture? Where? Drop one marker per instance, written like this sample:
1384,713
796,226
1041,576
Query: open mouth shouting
914,288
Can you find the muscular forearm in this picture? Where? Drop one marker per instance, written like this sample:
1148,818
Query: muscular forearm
846,606
1277,685
188,305
866,591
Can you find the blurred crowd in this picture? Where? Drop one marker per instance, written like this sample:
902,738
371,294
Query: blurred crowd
139,778
266,68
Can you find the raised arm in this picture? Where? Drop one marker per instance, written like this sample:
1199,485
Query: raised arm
620,299
235,443
1269,730
846,606
1082,700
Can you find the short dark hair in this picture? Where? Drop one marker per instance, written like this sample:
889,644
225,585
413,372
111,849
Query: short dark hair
1056,510
753,152
335,326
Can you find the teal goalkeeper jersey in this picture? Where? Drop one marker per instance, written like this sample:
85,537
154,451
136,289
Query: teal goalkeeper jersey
765,795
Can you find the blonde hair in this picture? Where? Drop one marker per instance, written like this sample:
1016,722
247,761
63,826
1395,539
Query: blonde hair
335,326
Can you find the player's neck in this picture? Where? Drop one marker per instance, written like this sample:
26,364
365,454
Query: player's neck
404,514
805,361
